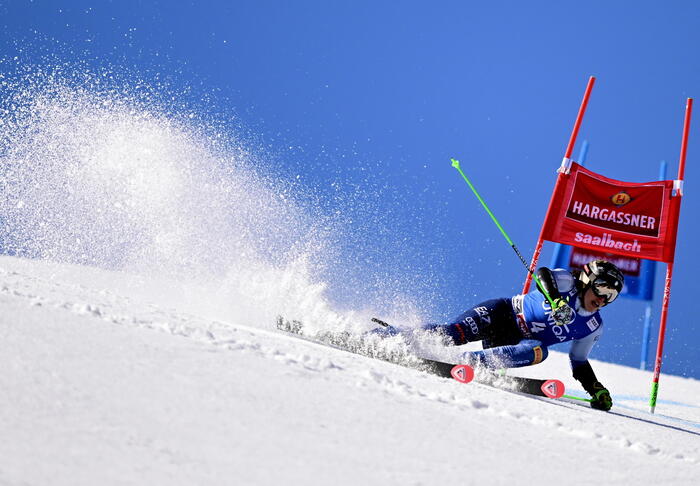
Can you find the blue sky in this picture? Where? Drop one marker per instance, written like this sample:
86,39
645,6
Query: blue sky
370,99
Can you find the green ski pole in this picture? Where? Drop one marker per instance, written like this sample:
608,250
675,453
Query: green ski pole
455,164
571,397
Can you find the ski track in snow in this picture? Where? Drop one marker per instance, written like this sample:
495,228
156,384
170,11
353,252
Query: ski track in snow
608,430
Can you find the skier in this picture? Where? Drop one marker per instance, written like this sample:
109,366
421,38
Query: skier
517,331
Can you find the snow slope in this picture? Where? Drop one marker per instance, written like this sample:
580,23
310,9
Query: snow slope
168,370
113,378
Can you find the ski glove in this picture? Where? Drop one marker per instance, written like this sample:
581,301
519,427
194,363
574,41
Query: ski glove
561,312
601,398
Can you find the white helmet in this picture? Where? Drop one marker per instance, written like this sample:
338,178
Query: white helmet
604,278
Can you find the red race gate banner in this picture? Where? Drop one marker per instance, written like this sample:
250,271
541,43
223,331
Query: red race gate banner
635,219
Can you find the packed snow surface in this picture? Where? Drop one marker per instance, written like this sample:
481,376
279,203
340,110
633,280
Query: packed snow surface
112,378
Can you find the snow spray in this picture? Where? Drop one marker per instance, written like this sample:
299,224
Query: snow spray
117,172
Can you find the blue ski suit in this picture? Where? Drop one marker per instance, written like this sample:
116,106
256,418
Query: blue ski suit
517,331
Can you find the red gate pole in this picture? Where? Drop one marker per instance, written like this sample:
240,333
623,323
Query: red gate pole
579,118
540,240
669,268
562,170
662,333
684,144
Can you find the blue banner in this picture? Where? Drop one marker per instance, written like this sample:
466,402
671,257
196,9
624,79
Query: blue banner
639,273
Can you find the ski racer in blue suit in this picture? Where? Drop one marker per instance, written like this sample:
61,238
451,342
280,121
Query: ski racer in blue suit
517,331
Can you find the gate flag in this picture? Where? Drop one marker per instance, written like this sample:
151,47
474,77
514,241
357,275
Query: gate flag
591,211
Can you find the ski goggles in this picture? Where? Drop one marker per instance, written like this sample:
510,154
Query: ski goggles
604,290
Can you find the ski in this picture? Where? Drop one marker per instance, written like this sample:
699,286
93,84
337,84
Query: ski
345,342
461,373
549,388
532,386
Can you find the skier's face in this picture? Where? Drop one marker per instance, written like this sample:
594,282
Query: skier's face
591,302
